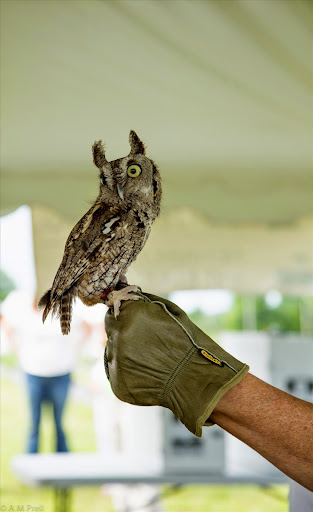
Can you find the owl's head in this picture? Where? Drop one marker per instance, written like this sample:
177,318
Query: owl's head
130,180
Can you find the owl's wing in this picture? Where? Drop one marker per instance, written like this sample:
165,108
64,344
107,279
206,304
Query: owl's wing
93,230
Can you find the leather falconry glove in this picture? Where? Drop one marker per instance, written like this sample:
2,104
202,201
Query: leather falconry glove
155,355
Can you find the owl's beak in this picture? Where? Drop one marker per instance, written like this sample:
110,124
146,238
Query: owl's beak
120,192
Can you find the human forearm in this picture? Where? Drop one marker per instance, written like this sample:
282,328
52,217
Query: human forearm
273,423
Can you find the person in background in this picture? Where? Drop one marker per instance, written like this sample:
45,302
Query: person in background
47,359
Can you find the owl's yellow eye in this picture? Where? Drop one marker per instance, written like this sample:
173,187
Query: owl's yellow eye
134,170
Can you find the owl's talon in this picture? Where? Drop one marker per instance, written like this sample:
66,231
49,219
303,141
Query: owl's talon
115,298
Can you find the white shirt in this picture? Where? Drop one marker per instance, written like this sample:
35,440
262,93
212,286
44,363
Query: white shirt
42,348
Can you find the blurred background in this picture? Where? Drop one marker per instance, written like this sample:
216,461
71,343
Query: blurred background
221,94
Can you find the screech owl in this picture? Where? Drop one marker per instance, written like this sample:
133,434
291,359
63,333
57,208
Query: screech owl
108,238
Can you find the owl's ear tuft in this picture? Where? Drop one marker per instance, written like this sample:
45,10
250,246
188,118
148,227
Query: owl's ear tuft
98,154
137,146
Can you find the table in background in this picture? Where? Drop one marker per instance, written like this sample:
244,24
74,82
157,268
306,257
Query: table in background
62,472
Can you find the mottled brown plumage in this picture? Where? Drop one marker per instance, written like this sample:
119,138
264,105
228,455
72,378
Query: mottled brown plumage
108,238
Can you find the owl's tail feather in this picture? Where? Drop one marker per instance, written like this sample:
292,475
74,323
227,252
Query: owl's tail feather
60,307
65,312
45,302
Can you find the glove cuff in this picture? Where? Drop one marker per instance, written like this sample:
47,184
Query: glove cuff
204,419
195,390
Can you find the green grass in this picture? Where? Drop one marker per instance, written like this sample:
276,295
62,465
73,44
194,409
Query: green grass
226,498
79,427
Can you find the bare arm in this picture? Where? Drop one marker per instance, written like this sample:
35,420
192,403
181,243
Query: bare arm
273,423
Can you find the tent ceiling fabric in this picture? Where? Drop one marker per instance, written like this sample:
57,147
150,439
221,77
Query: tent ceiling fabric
219,91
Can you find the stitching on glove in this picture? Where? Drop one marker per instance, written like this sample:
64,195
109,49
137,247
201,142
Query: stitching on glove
179,368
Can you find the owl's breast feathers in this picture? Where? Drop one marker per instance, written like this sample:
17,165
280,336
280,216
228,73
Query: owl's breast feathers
125,236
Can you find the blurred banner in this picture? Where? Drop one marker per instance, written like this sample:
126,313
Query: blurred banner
186,251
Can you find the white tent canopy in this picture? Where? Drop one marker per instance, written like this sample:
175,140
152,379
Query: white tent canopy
219,91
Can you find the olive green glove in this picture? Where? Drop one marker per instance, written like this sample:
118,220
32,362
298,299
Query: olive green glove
155,355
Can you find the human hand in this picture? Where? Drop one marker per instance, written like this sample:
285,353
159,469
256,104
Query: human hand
155,355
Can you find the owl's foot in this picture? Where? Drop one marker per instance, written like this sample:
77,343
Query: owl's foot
115,298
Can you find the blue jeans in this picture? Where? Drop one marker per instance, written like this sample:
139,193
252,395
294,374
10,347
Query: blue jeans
53,390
